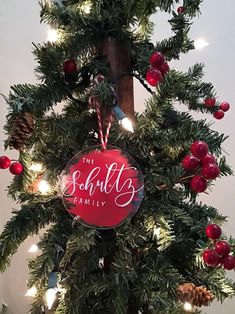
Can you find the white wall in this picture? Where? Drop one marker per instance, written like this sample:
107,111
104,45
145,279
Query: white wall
19,26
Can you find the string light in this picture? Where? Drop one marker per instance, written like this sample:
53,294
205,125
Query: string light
52,35
33,249
157,232
37,167
123,119
52,290
86,7
200,43
44,187
31,292
188,307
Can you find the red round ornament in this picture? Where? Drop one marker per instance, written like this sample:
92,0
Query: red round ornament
153,77
219,114
210,102
213,231
198,184
16,168
102,188
208,159
180,10
222,248
164,68
210,171
156,59
199,149
211,258
5,162
70,66
190,163
228,262
225,106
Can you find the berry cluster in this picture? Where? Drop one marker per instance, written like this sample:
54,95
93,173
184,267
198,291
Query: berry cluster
15,168
221,109
220,255
159,68
202,161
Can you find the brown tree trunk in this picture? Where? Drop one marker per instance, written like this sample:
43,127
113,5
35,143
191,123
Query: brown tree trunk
119,59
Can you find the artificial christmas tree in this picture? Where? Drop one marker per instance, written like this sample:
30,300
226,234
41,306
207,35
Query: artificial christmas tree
136,266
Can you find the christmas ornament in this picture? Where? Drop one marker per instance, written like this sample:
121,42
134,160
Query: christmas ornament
22,129
70,66
213,231
211,258
210,171
208,159
228,262
153,77
156,59
199,149
180,10
197,296
164,68
219,114
5,162
198,184
16,168
190,163
225,106
210,102
222,248
102,188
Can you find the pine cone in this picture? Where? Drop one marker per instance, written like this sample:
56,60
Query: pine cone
22,129
197,296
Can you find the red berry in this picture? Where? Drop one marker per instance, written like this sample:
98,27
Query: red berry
213,231
190,163
5,162
16,168
208,159
225,106
199,149
156,59
180,10
222,248
198,184
153,77
210,171
211,258
210,102
219,114
164,68
70,66
228,262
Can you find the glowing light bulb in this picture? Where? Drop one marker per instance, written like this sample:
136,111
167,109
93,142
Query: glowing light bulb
50,297
52,35
31,292
86,7
127,124
157,232
44,187
188,306
33,249
37,167
200,43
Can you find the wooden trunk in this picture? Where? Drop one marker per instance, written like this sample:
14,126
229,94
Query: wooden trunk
119,59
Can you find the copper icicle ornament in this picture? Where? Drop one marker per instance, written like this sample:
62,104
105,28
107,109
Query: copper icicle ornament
197,296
